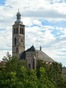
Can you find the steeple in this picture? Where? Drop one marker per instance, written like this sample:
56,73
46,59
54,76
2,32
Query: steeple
18,36
18,16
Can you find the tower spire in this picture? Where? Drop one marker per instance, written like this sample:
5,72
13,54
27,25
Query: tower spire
18,18
40,48
18,15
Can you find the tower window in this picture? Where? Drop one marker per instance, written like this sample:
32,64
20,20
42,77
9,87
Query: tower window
21,31
15,40
15,31
33,63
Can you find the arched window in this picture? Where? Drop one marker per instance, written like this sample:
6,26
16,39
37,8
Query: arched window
21,31
16,30
33,63
15,41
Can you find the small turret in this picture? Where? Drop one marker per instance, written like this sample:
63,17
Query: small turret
18,20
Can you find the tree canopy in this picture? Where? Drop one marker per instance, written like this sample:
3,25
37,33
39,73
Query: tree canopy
15,74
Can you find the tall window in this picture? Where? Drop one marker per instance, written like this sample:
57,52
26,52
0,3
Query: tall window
21,31
33,63
15,31
15,40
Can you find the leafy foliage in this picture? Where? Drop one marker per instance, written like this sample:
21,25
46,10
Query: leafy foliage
15,75
53,72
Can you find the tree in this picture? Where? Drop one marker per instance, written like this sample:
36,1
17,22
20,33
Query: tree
16,75
43,80
53,71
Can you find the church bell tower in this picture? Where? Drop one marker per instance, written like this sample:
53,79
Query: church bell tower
18,36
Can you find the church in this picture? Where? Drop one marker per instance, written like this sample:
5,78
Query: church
30,55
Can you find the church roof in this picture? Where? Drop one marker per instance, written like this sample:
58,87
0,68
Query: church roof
43,56
40,54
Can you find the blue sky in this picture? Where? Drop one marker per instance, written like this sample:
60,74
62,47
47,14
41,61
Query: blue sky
45,26
2,2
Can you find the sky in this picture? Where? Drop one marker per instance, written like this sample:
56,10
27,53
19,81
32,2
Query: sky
45,26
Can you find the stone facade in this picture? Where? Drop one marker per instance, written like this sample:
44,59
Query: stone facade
31,60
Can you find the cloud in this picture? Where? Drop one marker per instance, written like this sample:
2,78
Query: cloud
44,14
45,26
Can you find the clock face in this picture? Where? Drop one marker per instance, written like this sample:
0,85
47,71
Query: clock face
21,41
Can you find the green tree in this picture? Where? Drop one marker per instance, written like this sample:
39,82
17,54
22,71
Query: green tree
14,74
43,80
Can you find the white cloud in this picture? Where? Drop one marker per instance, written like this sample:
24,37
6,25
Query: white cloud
38,33
37,22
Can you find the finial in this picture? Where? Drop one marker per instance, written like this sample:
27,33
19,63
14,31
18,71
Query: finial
18,15
40,48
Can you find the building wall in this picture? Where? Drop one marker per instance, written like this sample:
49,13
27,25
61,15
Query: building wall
31,60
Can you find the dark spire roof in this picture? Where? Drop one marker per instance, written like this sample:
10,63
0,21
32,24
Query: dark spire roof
32,48
23,54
